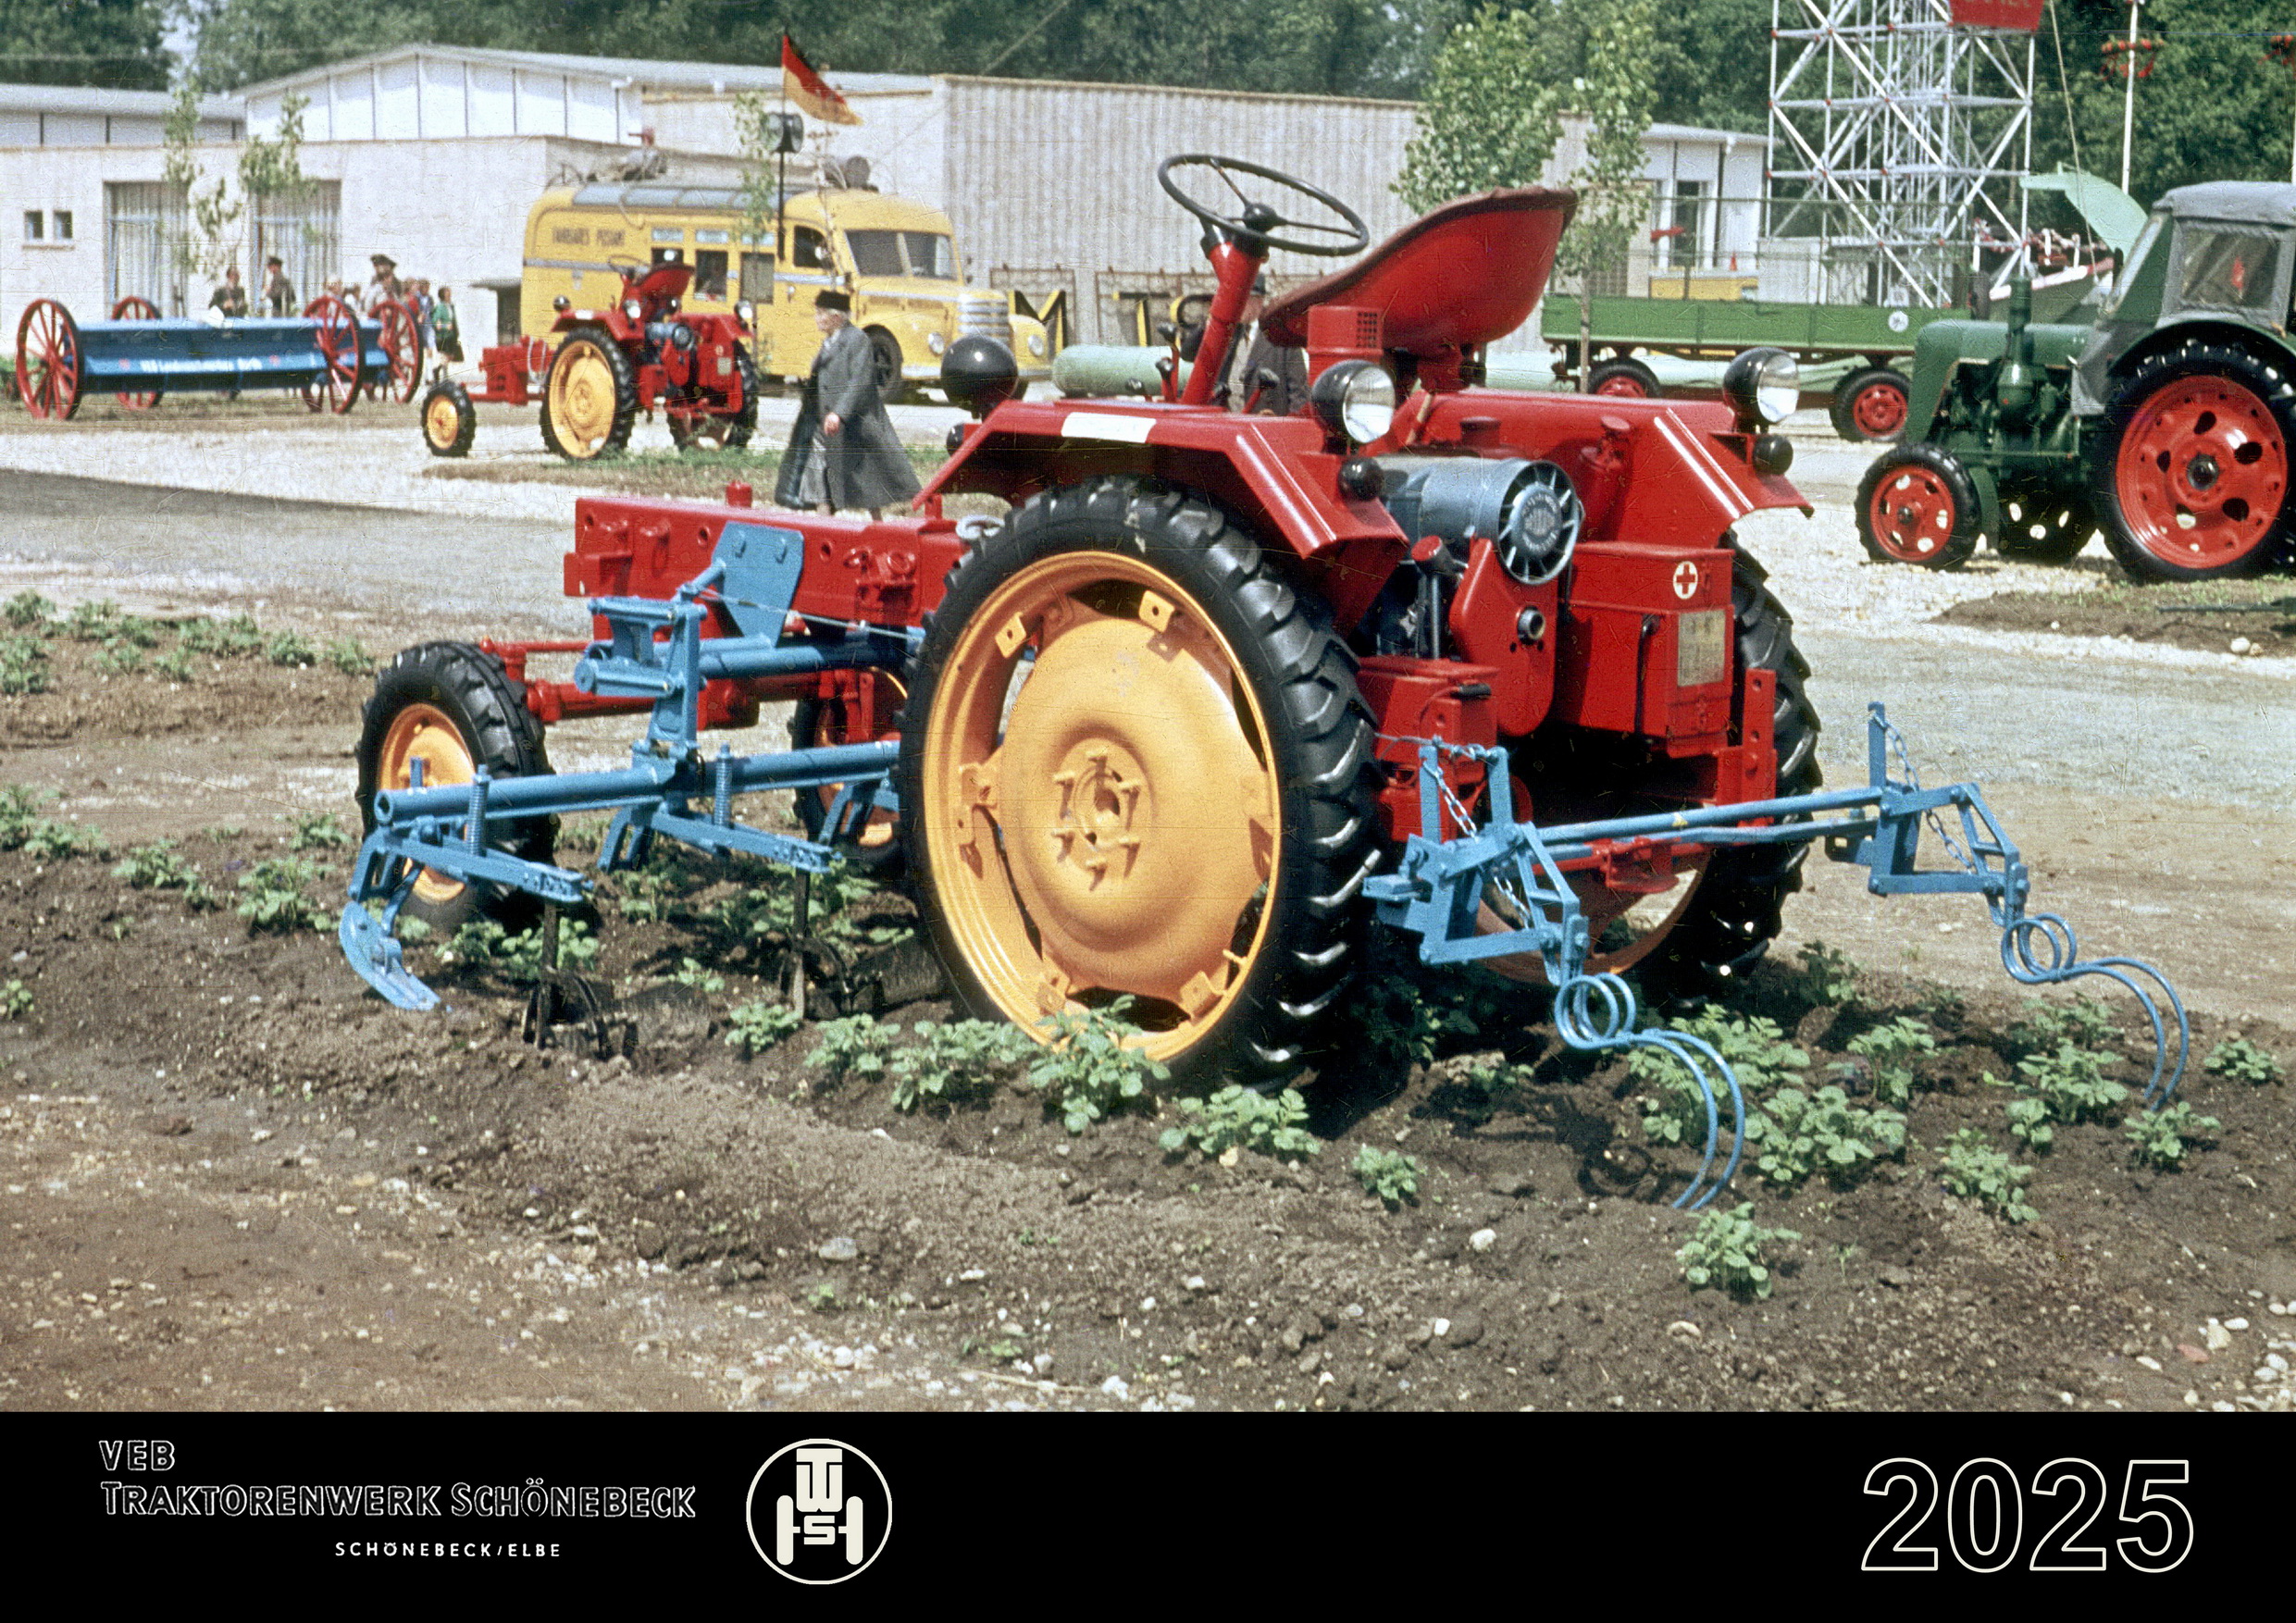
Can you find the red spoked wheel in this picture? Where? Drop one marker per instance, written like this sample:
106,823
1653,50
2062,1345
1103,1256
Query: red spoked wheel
2192,475
403,344
337,339
136,307
47,360
1871,405
1916,505
1624,379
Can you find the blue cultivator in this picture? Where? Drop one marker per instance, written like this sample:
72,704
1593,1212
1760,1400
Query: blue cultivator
445,829
1443,887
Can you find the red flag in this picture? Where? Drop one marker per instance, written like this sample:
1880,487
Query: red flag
810,91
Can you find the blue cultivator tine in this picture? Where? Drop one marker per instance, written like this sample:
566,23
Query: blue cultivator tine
374,952
1595,1012
2063,962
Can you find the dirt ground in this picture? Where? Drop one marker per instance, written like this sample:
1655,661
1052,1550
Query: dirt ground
234,1179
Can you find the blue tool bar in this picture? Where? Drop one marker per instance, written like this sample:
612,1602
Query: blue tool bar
509,798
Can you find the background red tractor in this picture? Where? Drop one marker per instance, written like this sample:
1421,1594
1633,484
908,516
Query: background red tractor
639,353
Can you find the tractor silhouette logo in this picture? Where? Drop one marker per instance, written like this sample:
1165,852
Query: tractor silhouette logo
818,1512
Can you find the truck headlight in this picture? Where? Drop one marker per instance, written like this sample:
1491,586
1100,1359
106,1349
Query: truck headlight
1762,386
1355,400
935,342
747,312
633,309
1036,345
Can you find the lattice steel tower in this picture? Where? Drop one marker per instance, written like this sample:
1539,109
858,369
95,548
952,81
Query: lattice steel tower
1899,129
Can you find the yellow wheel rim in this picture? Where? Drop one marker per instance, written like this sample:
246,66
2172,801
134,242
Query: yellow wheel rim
1104,817
424,732
582,399
441,422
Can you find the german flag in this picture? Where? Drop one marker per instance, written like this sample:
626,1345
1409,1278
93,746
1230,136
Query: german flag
810,91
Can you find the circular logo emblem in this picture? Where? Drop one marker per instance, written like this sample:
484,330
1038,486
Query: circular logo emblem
818,1512
1899,321
1686,580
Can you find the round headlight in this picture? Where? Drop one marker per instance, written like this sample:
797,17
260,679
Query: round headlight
747,312
1762,386
633,309
1036,345
935,342
1355,400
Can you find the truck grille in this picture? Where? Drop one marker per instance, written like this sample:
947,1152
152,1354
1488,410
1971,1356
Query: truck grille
985,316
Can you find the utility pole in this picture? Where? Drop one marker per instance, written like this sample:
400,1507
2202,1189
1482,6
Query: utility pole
2129,97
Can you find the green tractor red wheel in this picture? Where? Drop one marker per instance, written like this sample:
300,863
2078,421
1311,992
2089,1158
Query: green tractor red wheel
47,361
1870,406
2192,478
1916,505
136,307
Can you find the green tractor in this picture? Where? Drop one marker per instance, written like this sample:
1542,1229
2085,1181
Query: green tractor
2166,421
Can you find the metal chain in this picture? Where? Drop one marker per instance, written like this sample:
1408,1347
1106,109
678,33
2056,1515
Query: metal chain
1969,864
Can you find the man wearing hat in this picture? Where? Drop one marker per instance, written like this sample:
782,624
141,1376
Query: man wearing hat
384,289
278,294
843,452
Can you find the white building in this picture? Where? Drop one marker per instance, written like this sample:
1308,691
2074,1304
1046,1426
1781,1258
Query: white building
434,154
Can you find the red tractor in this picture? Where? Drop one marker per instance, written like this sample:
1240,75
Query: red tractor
606,365
1164,730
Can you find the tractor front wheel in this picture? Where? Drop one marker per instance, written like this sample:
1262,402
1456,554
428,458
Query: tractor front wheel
1624,379
1918,504
452,707
450,421
2191,475
589,400
1135,765
698,428
1869,406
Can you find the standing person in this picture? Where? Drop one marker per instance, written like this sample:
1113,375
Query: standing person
278,294
385,289
230,297
1261,377
446,327
843,429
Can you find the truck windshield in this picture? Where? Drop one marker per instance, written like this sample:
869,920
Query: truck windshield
2229,268
923,253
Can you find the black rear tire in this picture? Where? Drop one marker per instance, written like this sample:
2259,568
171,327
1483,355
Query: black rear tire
1629,379
2044,526
419,697
577,351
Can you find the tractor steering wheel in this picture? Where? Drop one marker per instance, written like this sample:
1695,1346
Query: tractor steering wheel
1255,220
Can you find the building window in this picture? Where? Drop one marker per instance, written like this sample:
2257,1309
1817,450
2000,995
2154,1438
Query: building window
146,243
306,233
31,224
63,218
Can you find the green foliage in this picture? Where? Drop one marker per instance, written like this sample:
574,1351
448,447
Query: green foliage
1238,1118
345,655
1756,1048
319,831
1400,1022
1491,115
118,659
1975,1171
2029,1120
484,943
157,867
289,648
176,665
43,839
1829,977
1388,1173
481,942
1090,1069
24,665
2158,1138
759,1025
27,608
2073,1082
271,896
856,1045
1799,1133
103,621
964,1057
16,1001
2237,1059
2048,1026
692,976
838,910
1729,1249
238,637
1889,1051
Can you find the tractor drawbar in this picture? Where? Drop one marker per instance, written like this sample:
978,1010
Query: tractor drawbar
1443,890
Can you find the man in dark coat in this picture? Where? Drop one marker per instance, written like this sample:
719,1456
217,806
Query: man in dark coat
843,453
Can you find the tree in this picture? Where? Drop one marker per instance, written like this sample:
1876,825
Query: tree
1614,199
267,168
1491,115
114,44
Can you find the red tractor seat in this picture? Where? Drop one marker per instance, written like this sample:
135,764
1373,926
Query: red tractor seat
1459,276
